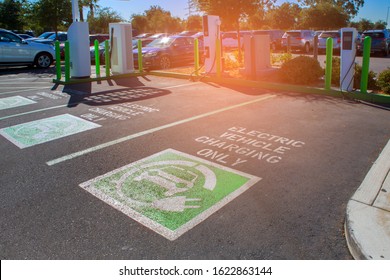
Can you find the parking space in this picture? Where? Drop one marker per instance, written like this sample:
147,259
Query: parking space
160,168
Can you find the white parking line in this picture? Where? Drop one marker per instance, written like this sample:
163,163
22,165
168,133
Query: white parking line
152,130
23,90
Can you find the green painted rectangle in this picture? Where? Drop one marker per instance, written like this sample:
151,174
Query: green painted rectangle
44,130
14,101
170,192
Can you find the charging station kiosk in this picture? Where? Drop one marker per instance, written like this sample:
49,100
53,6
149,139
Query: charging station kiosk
257,56
78,36
121,53
347,58
211,32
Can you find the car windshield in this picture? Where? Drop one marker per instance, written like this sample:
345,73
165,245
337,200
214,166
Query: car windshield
161,43
45,35
375,35
329,35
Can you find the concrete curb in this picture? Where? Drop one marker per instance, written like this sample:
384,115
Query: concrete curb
367,222
381,99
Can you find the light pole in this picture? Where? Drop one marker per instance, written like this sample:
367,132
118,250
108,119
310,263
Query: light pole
387,17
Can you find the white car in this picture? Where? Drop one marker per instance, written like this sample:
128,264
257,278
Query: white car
16,51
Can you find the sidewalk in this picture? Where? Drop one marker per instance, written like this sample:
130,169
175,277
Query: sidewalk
367,225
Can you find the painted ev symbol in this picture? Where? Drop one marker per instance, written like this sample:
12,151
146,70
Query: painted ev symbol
164,180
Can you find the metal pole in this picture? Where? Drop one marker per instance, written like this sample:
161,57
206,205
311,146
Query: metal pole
58,60
67,62
196,56
97,58
140,62
365,64
387,17
315,47
107,58
218,57
328,66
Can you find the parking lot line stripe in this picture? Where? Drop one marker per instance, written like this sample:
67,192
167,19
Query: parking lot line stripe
32,112
22,90
152,130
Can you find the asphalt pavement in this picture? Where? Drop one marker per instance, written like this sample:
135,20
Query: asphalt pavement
161,168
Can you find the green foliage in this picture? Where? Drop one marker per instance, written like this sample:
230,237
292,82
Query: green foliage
383,81
301,70
324,16
281,58
194,23
104,16
284,16
366,24
155,20
351,7
11,14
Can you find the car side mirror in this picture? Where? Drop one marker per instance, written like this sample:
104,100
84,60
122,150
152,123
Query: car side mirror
24,42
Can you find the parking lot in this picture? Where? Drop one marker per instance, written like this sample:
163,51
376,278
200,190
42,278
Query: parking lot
160,168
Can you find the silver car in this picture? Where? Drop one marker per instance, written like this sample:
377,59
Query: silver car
336,37
299,40
16,51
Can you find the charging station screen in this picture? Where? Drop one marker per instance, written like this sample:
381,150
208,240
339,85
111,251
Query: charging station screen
347,40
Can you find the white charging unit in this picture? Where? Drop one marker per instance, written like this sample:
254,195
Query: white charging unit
347,58
211,32
79,54
121,52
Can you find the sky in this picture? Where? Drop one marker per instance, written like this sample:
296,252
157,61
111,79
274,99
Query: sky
373,10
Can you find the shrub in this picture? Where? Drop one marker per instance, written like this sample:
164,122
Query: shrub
383,81
280,58
301,70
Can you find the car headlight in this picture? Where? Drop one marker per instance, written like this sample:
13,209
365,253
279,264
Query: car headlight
151,54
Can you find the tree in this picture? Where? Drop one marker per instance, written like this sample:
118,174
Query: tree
53,14
194,23
104,16
232,11
380,24
351,7
324,16
156,20
285,16
11,14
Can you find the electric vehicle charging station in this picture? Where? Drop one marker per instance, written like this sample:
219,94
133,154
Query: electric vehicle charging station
211,32
347,58
257,54
121,53
78,36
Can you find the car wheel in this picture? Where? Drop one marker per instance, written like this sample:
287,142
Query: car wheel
307,48
164,62
43,60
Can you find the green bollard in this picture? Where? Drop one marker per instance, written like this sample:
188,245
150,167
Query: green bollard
328,67
365,64
97,58
67,62
58,60
196,56
218,56
107,58
140,62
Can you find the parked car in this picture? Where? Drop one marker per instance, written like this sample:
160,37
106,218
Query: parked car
44,35
16,51
144,42
157,36
187,33
164,52
336,37
143,35
230,40
25,36
299,40
380,41
274,35
99,37
101,53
